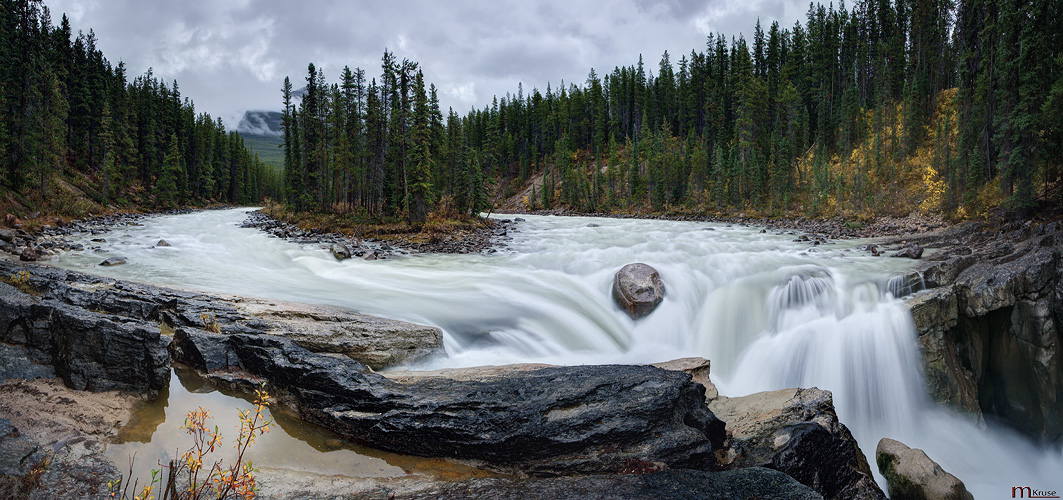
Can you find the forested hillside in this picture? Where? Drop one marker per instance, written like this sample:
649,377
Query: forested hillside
884,107
76,136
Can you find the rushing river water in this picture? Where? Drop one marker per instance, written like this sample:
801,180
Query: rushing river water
768,311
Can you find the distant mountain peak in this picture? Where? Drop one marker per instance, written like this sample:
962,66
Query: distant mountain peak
260,123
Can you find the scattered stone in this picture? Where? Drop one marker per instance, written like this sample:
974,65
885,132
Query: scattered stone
911,252
340,251
518,219
637,289
163,243
113,261
7,235
28,254
593,225
911,474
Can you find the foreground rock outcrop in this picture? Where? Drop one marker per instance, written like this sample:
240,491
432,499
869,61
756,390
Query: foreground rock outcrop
753,482
93,309
990,326
911,475
637,289
554,420
796,431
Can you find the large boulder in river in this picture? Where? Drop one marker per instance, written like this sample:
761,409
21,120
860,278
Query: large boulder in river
911,475
797,431
638,289
549,421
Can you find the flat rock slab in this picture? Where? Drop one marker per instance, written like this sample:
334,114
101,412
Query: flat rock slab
546,421
377,342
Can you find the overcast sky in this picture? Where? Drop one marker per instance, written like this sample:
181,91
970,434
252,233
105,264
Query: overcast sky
230,56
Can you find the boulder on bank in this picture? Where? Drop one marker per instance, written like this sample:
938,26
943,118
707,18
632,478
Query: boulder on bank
911,475
555,420
797,431
29,254
340,251
637,289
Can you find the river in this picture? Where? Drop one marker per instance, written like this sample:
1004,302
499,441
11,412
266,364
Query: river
768,311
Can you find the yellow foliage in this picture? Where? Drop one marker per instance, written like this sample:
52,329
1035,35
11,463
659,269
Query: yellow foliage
935,191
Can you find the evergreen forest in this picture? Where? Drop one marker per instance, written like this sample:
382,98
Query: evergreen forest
77,137
884,107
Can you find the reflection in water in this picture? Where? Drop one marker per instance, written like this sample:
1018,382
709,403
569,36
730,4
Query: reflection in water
154,436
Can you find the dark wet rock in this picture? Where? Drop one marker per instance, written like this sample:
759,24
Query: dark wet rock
676,484
637,289
113,261
17,363
911,252
518,219
580,419
593,225
28,254
163,243
340,251
88,350
796,431
7,235
911,474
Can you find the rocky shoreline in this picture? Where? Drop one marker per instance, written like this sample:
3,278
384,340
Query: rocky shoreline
487,239
831,228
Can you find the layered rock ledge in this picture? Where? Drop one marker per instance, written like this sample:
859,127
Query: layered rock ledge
989,323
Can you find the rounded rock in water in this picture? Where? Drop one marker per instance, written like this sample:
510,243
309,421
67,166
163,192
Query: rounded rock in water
638,289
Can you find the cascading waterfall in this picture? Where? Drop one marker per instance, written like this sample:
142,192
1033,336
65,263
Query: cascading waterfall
768,311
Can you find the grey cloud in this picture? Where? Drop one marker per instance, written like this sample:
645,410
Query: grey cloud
233,56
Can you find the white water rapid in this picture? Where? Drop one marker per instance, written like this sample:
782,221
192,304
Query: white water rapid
769,312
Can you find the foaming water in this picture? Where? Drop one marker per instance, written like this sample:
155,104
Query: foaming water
770,313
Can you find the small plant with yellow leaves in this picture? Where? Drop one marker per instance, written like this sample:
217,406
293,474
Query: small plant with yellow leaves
21,280
210,323
216,480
